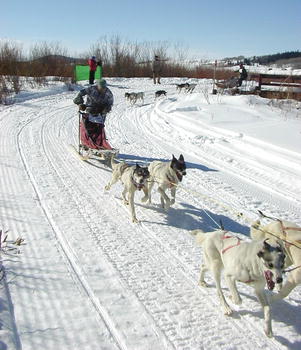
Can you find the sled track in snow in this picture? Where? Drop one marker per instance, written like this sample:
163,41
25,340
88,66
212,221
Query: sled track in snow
66,249
116,246
132,254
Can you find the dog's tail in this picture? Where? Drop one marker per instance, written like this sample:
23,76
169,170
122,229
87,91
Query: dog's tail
200,236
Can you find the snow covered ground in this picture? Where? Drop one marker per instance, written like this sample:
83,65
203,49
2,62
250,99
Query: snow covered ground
85,276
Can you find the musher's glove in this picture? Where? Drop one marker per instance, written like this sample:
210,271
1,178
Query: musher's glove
106,110
82,107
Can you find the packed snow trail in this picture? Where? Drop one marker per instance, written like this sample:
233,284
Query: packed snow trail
101,282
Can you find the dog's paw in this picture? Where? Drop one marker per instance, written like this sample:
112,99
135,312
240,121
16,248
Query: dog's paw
203,284
172,202
135,221
107,187
268,333
227,310
125,202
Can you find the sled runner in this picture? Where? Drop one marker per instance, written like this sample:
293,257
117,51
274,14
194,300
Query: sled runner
92,139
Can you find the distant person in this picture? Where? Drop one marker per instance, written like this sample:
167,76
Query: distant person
157,69
93,66
242,75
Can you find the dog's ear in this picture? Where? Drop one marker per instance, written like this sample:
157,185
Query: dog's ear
174,158
266,245
137,166
181,158
279,242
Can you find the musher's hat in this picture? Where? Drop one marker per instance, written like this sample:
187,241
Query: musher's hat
101,83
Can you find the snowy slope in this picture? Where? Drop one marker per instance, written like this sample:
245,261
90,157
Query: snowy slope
87,278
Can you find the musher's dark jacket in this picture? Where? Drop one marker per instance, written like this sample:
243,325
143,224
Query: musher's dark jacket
97,102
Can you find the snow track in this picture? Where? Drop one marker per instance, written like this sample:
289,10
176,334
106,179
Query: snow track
134,286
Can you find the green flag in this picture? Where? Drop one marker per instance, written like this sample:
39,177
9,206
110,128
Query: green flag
82,72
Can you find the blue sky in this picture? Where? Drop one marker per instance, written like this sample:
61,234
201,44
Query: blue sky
206,29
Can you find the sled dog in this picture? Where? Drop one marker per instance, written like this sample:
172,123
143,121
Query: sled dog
133,97
190,87
133,178
289,235
160,93
180,87
255,263
166,175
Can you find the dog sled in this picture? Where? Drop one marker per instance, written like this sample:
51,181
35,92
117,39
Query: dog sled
228,86
92,140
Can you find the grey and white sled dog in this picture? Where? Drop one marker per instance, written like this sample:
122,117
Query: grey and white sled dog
133,178
181,87
166,175
190,87
133,97
256,263
289,235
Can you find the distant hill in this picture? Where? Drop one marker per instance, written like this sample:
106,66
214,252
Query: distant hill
292,58
60,58
268,59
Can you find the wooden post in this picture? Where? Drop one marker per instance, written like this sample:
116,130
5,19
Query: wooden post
259,82
214,91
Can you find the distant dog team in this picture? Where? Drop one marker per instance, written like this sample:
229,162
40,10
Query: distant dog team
133,97
187,87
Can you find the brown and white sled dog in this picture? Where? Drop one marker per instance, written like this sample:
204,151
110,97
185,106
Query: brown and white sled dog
255,263
166,175
289,235
133,178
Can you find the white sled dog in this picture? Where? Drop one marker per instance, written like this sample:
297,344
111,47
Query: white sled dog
166,175
133,178
289,235
255,263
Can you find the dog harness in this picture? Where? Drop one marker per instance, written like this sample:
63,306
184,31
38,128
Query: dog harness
231,246
287,244
171,182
